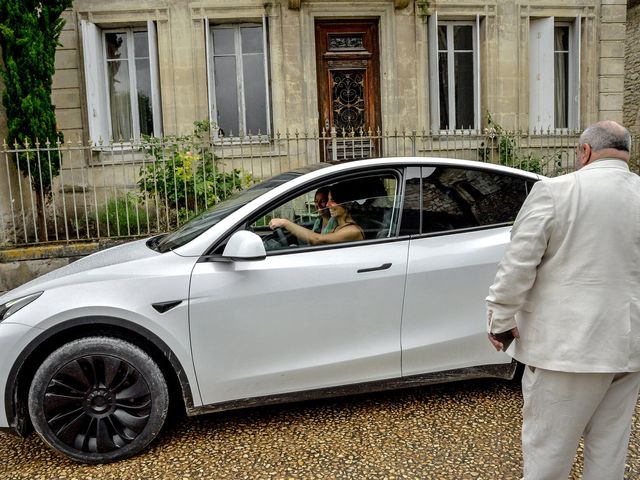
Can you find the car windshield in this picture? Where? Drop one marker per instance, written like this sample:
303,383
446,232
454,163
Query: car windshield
211,217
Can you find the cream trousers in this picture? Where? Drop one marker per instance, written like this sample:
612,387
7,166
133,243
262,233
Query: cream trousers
560,407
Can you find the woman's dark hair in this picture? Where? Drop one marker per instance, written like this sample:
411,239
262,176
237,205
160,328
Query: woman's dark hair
342,193
323,190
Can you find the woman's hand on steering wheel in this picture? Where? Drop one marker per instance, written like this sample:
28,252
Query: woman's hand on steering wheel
278,227
281,236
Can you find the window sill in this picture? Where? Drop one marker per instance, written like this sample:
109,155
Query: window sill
117,154
245,140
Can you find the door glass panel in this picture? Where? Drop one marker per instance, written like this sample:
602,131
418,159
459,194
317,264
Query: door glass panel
463,37
116,44
455,198
251,39
143,83
348,99
226,94
442,37
561,77
119,100
464,90
255,96
223,41
141,44
443,72
343,43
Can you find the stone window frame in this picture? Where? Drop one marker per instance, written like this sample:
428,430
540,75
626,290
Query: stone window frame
486,32
133,81
209,25
450,50
99,123
541,105
589,13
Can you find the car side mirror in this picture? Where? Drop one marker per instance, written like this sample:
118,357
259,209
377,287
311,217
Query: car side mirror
243,246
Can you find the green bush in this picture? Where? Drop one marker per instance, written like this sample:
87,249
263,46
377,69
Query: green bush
122,217
508,151
185,176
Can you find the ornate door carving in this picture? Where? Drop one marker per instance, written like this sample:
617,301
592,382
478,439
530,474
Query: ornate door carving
348,87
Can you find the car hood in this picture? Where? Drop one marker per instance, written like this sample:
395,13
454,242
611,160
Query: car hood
111,256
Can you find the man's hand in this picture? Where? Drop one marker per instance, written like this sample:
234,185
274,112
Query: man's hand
498,345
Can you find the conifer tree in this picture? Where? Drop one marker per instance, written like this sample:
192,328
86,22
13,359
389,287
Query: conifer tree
29,34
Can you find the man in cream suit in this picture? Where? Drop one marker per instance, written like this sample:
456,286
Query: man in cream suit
568,288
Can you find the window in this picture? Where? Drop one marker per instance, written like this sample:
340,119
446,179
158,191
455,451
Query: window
238,78
371,206
455,74
122,79
129,83
455,198
554,76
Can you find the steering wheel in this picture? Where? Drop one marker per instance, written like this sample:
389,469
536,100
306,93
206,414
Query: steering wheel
281,237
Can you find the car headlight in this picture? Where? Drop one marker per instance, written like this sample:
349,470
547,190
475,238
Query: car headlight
12,306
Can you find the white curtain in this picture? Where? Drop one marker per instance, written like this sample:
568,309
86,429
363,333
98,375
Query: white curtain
561,70
120,101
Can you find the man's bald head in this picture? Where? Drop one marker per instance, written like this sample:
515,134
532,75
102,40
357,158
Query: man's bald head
604,139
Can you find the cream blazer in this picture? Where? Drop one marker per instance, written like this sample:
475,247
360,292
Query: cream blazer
570,278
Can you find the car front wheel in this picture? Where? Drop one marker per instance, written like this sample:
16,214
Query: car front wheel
98,399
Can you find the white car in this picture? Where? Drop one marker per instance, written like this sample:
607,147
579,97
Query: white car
225,312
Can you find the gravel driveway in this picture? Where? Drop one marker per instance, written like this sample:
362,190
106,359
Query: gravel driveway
466,430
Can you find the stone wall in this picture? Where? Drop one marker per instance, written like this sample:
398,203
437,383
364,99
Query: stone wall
404,85
19,265
66,92
632,75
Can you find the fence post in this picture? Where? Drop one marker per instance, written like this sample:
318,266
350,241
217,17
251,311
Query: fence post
334,144
414,135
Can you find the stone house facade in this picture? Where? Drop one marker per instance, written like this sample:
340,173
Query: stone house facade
268,66
125,69
632,75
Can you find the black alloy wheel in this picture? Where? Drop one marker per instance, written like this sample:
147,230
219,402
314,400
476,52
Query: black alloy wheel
98,399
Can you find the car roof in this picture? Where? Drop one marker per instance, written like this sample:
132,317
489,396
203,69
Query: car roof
424,161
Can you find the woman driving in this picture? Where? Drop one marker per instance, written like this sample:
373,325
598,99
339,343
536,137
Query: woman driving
340,201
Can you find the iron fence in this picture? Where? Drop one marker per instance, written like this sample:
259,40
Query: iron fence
138,189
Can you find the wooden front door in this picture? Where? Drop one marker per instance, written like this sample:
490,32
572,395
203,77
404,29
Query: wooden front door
348,87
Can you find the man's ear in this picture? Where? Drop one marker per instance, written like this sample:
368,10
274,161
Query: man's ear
585,157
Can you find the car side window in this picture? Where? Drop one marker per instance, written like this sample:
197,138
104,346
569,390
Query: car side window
458,198
361,209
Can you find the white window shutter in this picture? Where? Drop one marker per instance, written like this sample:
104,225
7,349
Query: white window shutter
154,66
541,74
94,73
434,91
574,74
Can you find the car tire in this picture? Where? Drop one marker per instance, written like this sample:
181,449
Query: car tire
98,400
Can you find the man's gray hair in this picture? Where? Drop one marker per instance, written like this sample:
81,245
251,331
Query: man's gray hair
607,134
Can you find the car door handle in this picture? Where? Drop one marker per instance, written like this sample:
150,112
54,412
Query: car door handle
384,266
